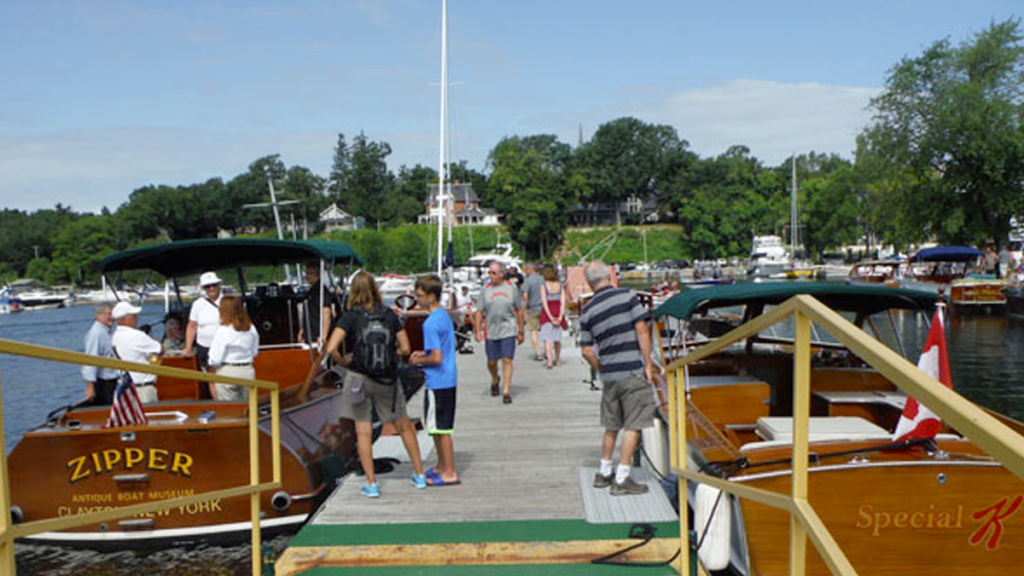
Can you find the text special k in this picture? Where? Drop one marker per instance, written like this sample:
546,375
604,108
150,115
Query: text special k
987,524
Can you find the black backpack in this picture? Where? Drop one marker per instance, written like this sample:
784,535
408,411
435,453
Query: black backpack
374,348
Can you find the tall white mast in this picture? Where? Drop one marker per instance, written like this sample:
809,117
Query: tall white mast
442,173
792,214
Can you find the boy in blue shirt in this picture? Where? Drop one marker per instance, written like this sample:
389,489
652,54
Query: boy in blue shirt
438,361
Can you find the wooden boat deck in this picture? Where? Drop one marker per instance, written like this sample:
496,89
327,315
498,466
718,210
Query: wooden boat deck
521,505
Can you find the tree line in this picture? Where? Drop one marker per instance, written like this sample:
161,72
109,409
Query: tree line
942,160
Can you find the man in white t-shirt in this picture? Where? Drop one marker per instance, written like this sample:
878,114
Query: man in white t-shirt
203,319
133,345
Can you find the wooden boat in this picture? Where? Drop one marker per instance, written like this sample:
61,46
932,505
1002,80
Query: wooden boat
952,272
72,464
884,272
936,508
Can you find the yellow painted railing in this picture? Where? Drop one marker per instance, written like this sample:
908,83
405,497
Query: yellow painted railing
993,436
9,532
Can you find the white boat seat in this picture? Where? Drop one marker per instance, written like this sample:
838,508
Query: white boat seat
778,431
895,399
819,428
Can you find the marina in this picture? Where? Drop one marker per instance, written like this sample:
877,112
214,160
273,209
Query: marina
223,271
494,473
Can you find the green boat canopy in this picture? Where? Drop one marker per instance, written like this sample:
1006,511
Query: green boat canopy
867,299
174,259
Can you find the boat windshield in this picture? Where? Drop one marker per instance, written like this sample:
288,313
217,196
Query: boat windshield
883,326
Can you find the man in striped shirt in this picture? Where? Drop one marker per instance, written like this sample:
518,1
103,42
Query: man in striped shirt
616,324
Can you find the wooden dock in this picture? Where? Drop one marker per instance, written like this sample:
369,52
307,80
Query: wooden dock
524,505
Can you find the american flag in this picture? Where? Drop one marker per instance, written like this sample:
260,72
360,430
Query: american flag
126,408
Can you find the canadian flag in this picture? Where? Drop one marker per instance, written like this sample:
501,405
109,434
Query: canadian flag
917,421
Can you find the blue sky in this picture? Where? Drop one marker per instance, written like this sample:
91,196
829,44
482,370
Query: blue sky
100,97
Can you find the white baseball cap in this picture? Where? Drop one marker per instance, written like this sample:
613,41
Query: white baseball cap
208,279
122,309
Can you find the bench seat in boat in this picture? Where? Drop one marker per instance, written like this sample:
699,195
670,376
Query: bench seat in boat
820,428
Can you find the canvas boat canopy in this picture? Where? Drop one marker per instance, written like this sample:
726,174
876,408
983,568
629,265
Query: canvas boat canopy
174,259
867,299
946,254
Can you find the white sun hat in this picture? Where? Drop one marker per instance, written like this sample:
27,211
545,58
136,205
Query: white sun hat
208,279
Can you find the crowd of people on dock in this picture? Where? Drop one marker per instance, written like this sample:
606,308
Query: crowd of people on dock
369,340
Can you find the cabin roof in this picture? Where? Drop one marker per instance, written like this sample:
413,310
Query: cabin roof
868,299
191,256
946,254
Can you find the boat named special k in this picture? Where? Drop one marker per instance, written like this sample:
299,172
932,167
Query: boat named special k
913,507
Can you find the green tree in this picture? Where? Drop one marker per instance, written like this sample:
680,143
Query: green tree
530,185
723,201
370,184
952,121
341,167
411,188
627,157
80,247
830,210
310,190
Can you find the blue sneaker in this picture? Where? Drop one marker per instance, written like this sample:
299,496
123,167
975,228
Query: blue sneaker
419,481
370,491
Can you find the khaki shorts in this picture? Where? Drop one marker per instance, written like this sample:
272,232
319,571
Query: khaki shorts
533,321
627,405
231,392
374,395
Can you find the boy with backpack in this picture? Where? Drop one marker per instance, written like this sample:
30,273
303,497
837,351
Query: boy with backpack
438,361
374,336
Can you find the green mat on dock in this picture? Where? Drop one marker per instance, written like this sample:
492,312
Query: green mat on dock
441,533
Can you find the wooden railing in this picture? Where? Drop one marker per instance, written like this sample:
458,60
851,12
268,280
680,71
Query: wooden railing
9,533
994,437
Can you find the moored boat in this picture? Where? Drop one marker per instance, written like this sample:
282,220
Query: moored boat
33,294
931,506
767,257
884,272
73,463
953,272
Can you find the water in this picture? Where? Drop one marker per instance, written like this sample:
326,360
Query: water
985,356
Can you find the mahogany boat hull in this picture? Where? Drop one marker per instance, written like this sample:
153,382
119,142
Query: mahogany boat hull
65,471
894,516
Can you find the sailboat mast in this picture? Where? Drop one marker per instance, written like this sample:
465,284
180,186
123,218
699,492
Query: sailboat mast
792,214
442,174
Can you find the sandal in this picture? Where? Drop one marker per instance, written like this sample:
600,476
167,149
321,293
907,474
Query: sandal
494,389
507,399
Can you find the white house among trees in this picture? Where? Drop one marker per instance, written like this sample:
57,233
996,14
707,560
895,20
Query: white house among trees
333,218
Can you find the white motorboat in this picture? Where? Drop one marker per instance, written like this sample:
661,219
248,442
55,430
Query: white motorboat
767,257
34,294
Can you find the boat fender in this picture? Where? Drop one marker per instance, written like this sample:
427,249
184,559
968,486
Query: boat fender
714,539
17,516
281,501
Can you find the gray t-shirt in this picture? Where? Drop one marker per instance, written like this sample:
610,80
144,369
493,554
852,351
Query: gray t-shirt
531,286
499,304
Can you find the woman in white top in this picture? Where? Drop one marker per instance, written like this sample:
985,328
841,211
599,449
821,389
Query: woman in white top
235,344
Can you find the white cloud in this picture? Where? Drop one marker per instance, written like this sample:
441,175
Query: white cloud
773,119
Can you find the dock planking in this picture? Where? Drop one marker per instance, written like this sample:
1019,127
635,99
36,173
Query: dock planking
519,464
